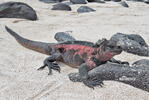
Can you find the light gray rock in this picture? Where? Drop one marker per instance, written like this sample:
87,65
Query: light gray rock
84,9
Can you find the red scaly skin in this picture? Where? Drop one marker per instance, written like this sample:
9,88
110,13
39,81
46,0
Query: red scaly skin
79,50
82,50
104,55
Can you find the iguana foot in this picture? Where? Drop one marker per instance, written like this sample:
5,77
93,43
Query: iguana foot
90,82
51,65
93,82
75,77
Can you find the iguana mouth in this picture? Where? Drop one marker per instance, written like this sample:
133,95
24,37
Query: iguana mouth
117,51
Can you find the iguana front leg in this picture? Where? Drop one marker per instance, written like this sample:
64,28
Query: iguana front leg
83,72
50,62
82,76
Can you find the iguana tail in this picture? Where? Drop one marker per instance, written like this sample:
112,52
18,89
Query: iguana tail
41,47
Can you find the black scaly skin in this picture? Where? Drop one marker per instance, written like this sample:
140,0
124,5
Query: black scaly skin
61,37
74,77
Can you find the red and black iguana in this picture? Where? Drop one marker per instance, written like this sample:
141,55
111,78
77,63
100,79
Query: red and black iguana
77,54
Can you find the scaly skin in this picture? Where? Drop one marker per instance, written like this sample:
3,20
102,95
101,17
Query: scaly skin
78,54
75,77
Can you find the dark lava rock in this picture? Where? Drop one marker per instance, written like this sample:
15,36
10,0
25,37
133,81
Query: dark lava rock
17,10
78,1
98,1
84,9
67,38
142,62
107,0
63,36
51,1
116,0
124,4
132,43
146,1
136,76
68,3
136,0
61,6
90,0
132,37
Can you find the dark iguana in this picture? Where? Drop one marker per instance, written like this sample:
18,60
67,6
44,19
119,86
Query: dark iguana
115,69
78,54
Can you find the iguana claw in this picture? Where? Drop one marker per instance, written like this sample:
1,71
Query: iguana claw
93,82
51,65
90,82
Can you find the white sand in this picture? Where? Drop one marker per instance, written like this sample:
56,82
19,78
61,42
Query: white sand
19,79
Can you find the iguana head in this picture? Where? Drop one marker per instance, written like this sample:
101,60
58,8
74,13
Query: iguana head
107,49
111,46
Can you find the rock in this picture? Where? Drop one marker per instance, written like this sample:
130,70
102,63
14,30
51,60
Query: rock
51,1
66,37
136,76
90,0
68,3
84,9
116,0
99,1
124,4
132,43
61,6
146,1
142,62
78,1
63,37
136,0
107,0
17,10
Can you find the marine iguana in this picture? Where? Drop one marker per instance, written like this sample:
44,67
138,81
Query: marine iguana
78,54
115,69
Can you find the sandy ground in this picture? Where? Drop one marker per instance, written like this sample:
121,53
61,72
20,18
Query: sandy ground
19,78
